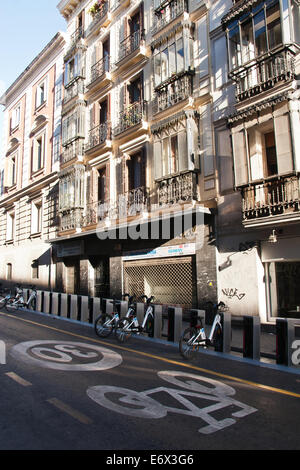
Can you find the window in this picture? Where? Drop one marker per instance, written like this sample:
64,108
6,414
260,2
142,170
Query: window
38,153
35,269
9,272
74,68
11,170
15,118
36,217
41,94
10,226
169,61
170,155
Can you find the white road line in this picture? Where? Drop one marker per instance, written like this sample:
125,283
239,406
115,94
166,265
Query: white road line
18,379
70,411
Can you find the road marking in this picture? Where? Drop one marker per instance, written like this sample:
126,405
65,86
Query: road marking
69,410
18,379
163,359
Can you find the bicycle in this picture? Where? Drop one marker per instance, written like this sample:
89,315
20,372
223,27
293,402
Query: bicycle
18,302
107,322
195,337
130,324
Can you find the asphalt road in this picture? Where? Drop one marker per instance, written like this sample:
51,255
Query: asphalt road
63,388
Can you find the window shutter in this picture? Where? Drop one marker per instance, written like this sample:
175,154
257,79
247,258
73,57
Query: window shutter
283,144
157,160
107,182
182,151
240,157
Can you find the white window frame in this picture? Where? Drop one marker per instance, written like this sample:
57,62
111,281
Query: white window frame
36,216
15,117
10,225
39,142
41,93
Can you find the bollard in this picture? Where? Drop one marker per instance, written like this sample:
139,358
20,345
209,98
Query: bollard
39,300
140,312
46,302
157,321
251,337
108,305
174,323
64,305
226,330
84,309
55,303
285,335
95,308
73,311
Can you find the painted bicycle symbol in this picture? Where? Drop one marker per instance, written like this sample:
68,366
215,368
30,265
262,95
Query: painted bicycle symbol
215,394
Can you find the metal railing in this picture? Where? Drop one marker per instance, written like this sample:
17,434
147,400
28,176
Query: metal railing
131,116
131,43
178,188
177,88
275,197
74,89
264,73
73,150
164,16
99,69
98,135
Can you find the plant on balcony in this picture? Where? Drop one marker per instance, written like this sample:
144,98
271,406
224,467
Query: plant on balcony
97,7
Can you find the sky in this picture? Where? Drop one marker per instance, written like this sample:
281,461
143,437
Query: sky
26,28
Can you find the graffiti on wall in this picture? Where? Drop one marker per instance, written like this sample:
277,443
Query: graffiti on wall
232,292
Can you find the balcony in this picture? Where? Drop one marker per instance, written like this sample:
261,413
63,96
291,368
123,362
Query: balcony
99,135
177,88
276,197
130,47
179,188
72,151
74,40
70,220
264,73
132,116
73,89
128,204
101,17
167,12
100,73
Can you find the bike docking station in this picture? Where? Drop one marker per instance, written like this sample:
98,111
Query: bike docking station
85,309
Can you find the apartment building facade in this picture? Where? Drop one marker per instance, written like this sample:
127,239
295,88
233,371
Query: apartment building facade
144,139
30,164
264,65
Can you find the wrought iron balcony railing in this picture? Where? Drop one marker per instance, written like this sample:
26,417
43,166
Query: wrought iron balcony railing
131,116
178,188
73,150
71,220
263,73
128,204
274,197
102,10
98,135
99,69
75,88
168,12
177,88
131,43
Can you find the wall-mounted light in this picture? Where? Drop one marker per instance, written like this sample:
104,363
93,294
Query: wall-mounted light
273,237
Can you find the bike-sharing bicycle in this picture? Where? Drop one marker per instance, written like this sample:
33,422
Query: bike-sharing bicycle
105,323
131,325
11,303
195,337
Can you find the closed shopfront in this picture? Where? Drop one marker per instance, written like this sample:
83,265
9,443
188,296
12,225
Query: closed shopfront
170,280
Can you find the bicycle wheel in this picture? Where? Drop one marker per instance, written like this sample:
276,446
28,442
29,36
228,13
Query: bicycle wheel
186,347
121,332
11,305
104,325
